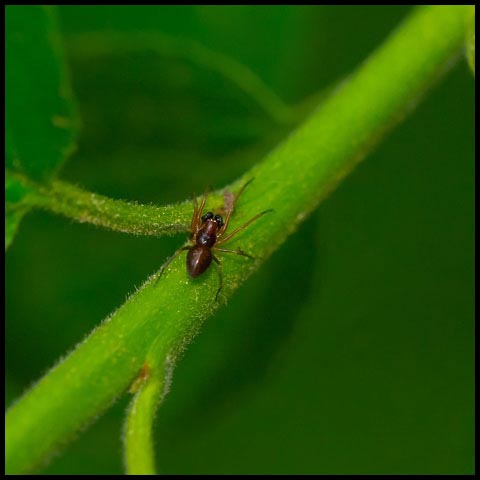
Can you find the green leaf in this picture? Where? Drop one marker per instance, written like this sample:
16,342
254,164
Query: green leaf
40,116
40,120
12,221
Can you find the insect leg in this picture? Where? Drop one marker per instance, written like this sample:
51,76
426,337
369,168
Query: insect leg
220,283
169,261
238,251
197,213
223,229
193,224
230,235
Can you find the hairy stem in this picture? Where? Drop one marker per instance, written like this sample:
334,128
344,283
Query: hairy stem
149,388
128,217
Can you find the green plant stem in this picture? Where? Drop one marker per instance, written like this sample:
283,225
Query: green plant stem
151,387
158,321
97,43
128,217
470,41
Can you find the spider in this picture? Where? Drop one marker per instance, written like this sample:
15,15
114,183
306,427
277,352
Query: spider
207,233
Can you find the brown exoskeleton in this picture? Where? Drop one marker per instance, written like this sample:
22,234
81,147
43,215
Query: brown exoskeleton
207,233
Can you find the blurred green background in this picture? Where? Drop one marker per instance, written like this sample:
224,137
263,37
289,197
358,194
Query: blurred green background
352,349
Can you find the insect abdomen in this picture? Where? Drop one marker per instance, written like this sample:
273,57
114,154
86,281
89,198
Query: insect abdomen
199,258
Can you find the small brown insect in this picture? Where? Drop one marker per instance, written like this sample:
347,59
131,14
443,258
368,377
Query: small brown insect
207,233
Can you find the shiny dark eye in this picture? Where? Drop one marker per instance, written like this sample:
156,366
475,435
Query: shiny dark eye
207,216
219,220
